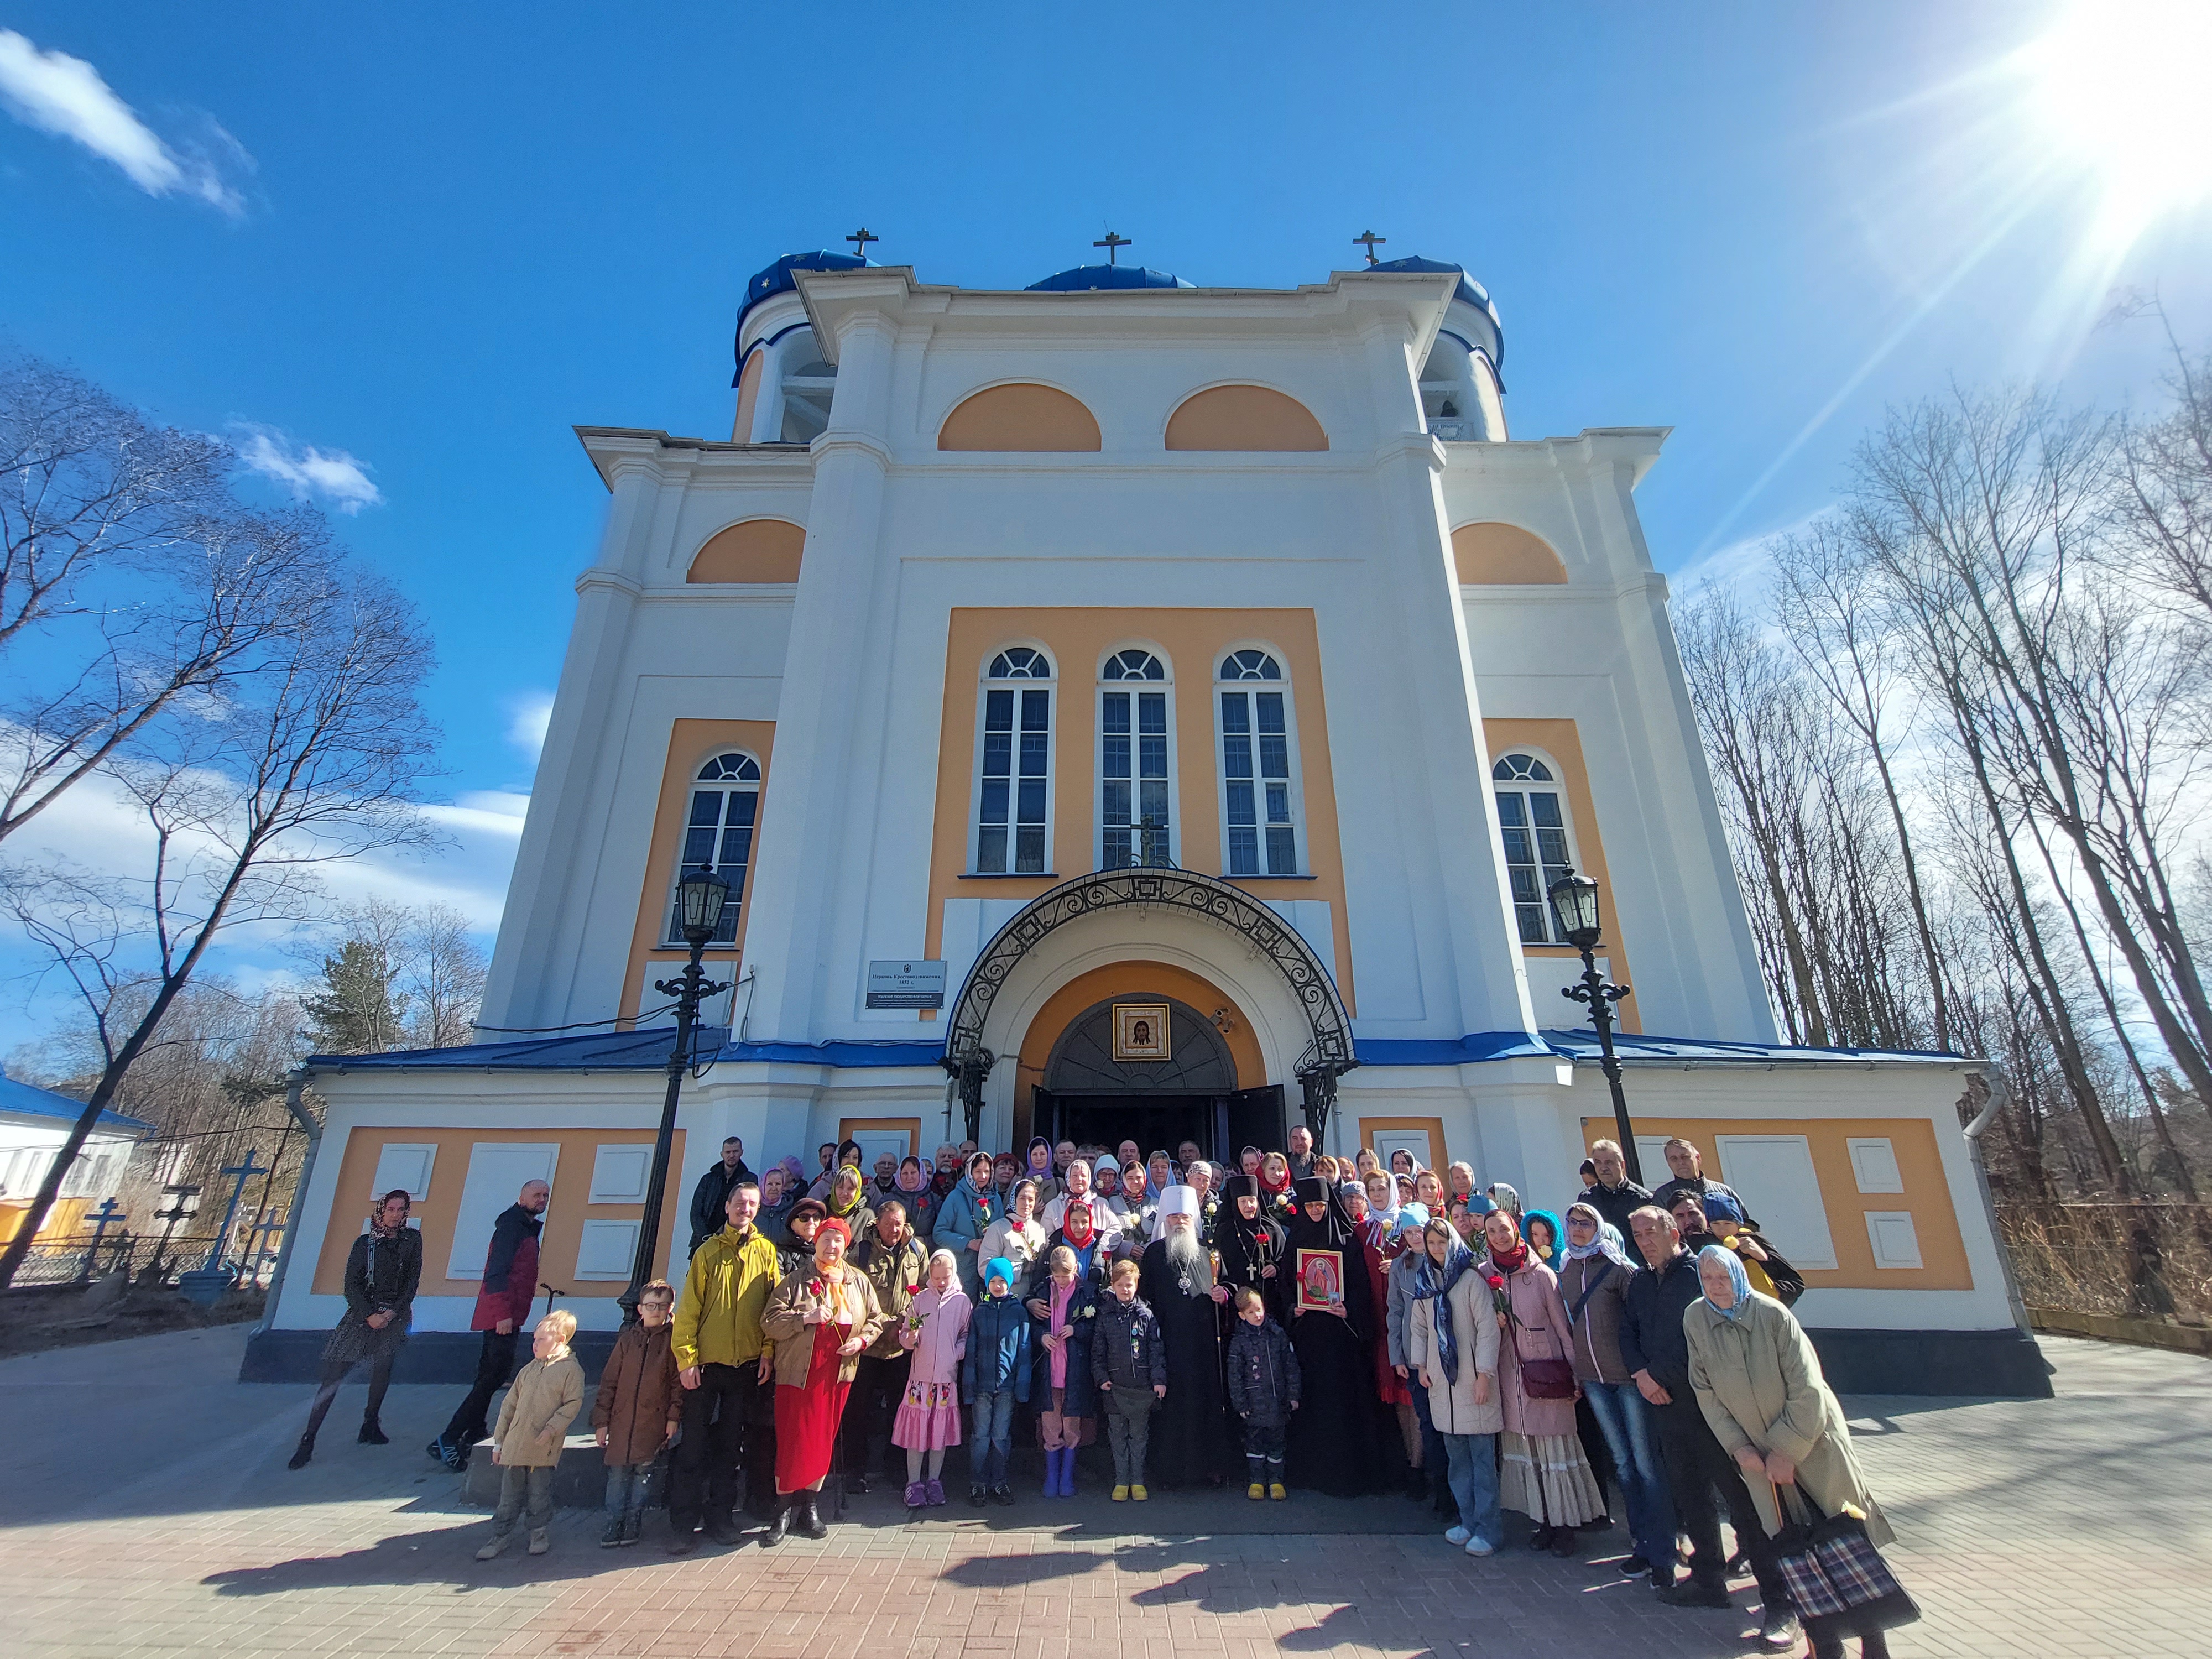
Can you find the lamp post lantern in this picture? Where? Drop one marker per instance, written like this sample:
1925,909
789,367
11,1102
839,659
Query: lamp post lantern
700,897
1574,907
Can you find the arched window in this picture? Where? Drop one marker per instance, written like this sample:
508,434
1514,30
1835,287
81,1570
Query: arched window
1013,782
1134,816
1259,782
1533,822
718,835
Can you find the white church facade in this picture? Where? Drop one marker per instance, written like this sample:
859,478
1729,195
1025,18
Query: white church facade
1137,651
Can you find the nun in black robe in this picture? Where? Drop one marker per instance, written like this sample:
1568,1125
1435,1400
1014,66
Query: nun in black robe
1189,1430
1336,1438
1251,1250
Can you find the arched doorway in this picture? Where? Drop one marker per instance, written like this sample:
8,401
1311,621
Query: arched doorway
1178,1083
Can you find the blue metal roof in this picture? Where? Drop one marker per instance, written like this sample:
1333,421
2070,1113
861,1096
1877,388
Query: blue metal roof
777,279
1077,279
626,1051
1582,1045
28,1100
1469,290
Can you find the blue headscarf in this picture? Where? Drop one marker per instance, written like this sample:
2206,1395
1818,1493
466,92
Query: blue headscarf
1433,1285
1558,1238
1737,1276
1607,1243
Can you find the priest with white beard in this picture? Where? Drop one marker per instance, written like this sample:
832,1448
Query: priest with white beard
1189,1430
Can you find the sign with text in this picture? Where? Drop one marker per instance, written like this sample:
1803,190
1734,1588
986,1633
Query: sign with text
906,985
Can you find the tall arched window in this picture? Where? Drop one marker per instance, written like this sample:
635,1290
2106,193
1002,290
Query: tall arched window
718,835
1134,818
1259,783
1532,821
1013,782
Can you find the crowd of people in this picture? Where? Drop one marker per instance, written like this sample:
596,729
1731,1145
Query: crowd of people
1291,1321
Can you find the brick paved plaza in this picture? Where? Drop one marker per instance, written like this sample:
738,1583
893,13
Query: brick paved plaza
149,1511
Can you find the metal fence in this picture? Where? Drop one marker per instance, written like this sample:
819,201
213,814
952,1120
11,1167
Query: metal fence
148,1260
2137,1261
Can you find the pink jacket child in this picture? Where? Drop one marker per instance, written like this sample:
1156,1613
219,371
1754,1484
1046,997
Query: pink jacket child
935,1331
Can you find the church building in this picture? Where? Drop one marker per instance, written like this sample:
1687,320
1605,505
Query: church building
1126,708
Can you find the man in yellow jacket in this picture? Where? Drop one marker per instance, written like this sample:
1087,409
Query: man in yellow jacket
721,1359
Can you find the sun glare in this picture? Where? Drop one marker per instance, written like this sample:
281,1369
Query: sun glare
2123,89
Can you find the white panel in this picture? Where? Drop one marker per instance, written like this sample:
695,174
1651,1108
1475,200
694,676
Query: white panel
497,1172
1416,1141
1874,1162
620,1173
1547,977
1651,1156
1896,1242
406,1167
969,924
874,1143
1774,1175
1314,922
606,1249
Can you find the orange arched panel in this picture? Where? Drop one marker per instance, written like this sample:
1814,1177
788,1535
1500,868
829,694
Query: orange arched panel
1035,419
749,384
1504,553
1244,417
758,551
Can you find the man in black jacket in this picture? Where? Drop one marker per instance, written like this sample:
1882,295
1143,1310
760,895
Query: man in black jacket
710,1198
1657,1354
1612,1194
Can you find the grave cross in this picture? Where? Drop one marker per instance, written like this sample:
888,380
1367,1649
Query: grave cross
1371,241
860,239
1114,244
105,1216
245,1172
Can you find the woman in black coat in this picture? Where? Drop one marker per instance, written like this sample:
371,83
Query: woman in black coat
382,1271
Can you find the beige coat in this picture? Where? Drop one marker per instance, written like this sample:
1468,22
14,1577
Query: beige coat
541,1402
1452,1405
785,1325
1759,1383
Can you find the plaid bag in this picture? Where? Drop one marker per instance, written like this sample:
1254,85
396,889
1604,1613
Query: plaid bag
1830,1567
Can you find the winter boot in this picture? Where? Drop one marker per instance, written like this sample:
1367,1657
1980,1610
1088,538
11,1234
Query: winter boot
807,1523
778,1525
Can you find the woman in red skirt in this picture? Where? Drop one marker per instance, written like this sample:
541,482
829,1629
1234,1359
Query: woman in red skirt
818,1323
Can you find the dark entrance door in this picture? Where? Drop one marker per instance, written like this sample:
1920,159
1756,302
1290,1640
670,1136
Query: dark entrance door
1220,1123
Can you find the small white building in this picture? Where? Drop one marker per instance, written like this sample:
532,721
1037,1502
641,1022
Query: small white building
34,1123
1210,661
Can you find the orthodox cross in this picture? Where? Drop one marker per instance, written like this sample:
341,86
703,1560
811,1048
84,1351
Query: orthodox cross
860,239
1114,244
1371,241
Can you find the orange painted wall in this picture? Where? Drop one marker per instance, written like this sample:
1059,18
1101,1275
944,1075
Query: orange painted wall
1020,418
756,550
1504,553
64,1223
689,745
1195,642
1927,1195
1126,979
1559,739
749,384
564,1217
1244,419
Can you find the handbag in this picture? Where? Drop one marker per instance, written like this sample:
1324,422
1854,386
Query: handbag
1833,1572
1544,1379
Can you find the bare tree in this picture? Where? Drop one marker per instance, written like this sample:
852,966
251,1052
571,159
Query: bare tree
130,579
445,978
313,756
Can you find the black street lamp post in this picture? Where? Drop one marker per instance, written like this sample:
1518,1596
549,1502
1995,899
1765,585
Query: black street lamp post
700,897
1574,906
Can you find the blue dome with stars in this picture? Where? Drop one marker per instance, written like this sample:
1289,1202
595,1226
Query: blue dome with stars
1077,279
1470,291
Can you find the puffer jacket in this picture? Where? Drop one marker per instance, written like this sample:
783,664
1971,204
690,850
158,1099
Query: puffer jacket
784,1326
1452,1405
541,1402
1126,1349
962,1219
638,1395
898,1272
1263,1374
998,1355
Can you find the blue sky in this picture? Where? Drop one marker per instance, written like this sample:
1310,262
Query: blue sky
427,240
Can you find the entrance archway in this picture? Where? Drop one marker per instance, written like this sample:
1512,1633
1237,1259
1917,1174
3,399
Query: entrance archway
1177,915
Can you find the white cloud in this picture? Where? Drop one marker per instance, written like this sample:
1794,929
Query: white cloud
529,716
66,96
330,476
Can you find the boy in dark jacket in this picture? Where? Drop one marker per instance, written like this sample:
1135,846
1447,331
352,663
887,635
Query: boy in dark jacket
1263,1392
637,1410
994,1374
1130,1367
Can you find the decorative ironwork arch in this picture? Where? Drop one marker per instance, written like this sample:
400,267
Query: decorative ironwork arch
1328,1052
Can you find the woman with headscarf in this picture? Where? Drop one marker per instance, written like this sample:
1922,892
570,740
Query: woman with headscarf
819,1321
1140,1205
1078,1232
1545,1475
1453,1345
1275,1192
1401,1250
1017,1238
1334,1441
1760,1387
963,1220
1504,1197
1075,1188
382,1271
1106,1191
1037,1167
848,1201
1249,1242
1542,1230
913,1184
1594,1275
1371,1236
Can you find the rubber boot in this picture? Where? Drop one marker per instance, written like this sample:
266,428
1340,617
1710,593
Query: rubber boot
808,1523
1052,1472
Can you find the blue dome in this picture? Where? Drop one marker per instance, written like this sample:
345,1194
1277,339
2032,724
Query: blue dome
1077,279
777,279
1471,291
